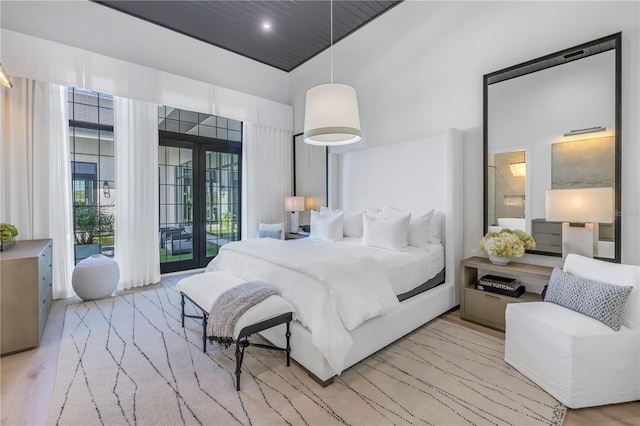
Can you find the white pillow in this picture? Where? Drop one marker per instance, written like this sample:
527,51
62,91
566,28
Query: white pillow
327,225
385,231
419,226
271,227
435,230
353,223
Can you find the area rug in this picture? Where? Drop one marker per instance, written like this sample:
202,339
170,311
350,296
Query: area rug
127,360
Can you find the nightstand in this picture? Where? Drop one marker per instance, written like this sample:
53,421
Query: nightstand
488,308
291,236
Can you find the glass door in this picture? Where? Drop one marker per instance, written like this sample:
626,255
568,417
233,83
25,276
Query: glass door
199,200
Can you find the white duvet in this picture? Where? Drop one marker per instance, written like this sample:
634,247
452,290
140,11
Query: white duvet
332,288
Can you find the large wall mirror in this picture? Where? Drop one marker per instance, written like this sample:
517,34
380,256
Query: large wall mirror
554,123
309,176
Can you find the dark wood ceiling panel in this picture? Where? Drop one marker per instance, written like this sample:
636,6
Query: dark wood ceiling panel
299,29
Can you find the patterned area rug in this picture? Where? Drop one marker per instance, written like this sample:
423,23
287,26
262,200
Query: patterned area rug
127,360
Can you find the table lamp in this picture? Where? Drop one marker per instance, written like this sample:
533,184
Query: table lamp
580,211
294,205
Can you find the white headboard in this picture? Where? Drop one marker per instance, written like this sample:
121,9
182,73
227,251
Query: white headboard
424,173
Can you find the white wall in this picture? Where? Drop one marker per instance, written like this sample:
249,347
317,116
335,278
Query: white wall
99,29
418,69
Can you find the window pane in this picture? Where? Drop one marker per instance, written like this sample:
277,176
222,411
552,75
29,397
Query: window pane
234,124
86,141
106,143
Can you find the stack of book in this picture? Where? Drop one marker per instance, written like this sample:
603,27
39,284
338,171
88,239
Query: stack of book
501,285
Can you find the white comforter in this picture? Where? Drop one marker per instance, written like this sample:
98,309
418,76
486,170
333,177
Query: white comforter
332,288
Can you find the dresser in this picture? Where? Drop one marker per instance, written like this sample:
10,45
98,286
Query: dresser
25,294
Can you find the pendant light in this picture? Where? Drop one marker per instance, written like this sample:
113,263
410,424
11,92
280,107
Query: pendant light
331,114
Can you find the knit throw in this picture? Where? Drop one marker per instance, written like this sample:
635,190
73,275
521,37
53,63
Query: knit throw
233,304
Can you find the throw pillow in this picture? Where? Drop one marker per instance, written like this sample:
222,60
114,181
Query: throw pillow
419,226
277,234
382,231
272,227
327,225
598,300
353,223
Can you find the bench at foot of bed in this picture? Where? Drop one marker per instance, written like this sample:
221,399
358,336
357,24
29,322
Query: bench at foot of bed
203,289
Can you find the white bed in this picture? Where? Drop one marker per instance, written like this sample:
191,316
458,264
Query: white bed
421,174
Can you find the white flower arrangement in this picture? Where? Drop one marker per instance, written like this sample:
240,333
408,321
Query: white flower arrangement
507,243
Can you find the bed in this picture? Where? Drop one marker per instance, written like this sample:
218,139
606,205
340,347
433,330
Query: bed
352,300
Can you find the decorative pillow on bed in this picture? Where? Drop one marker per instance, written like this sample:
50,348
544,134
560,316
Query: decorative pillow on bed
353,223
419,226
598,300
327,225
385,231
435,230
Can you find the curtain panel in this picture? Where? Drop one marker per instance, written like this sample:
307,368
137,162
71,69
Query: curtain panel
136,194
35,171
266,176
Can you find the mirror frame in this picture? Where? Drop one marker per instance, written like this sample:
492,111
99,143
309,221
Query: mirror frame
539,64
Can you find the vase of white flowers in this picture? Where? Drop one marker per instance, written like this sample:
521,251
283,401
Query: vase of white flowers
506,244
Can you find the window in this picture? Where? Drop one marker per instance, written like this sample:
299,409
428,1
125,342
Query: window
92,172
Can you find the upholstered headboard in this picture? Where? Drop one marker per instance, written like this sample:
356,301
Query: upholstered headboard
424,173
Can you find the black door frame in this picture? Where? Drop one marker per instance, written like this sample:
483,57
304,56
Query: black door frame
199,145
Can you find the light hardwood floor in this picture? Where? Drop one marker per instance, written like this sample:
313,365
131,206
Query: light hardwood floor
27,378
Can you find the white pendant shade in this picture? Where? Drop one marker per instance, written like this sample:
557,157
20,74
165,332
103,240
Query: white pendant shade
331,115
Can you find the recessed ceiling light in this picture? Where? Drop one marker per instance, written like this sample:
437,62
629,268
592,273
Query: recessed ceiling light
266,26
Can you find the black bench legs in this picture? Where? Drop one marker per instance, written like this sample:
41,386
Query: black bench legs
242,341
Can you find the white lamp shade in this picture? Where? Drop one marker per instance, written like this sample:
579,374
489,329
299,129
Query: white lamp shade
294,204
331,115
582,205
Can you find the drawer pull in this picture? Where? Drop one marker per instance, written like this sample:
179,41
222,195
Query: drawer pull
491,296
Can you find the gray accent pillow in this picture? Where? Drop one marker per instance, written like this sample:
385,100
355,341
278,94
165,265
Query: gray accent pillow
598,300
277,234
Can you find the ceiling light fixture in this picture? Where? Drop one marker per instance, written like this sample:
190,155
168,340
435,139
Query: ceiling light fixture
331,115
4,78
266,26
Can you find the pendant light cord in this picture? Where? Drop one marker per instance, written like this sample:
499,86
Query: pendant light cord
331,46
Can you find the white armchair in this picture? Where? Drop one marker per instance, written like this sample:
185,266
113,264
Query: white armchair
577,359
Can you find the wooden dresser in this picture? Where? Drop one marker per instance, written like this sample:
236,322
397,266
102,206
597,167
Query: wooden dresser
25,294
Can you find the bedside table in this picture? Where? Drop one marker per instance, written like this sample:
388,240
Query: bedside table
291,236
488,308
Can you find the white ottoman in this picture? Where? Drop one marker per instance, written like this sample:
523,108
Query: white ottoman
203,289
95,277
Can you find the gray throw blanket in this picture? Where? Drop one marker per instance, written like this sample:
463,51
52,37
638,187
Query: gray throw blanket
231,305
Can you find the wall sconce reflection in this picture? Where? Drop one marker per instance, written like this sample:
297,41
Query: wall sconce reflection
518,169
105,190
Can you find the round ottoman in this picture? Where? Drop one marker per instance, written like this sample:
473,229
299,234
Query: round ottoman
95,277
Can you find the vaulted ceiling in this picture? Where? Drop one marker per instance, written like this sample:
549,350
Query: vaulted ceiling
298,30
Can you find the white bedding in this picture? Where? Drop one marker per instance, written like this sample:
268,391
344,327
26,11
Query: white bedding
406,268
360,283
333,288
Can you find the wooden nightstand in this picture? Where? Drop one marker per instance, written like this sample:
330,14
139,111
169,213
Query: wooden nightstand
291,236
488,308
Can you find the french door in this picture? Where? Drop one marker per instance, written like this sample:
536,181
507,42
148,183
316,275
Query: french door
199,184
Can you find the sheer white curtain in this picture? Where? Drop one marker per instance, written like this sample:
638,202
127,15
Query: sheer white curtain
137,221
266,176
35,178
